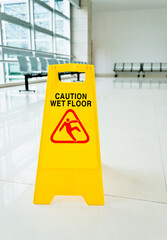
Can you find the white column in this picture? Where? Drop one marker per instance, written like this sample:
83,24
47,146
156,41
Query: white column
82,31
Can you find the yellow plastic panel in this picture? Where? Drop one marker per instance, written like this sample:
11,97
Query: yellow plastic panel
69,157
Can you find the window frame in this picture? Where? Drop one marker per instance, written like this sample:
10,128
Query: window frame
32,27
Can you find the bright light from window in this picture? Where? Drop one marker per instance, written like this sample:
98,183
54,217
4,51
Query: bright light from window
16,8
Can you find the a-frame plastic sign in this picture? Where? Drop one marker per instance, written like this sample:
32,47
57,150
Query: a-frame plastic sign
69,157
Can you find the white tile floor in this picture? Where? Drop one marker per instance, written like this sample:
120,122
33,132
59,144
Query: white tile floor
133,135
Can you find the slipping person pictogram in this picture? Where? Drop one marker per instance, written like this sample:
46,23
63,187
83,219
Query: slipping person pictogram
70,129
66,124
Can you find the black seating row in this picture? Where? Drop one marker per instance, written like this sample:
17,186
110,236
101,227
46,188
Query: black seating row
39,68
139,67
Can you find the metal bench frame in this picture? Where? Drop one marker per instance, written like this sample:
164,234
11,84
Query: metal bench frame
29,74
141,70
35,72
123,70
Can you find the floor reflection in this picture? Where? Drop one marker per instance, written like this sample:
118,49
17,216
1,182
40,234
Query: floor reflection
20,128
141,83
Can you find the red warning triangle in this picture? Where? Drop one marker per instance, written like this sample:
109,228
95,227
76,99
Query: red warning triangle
71,126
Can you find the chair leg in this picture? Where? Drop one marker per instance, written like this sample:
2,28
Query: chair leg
26,83
26,86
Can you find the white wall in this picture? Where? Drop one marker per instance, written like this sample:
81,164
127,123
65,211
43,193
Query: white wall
128,36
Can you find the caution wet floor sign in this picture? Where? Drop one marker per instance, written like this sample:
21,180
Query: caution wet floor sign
69,158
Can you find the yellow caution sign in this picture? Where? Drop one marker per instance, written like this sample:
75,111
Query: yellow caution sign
69,157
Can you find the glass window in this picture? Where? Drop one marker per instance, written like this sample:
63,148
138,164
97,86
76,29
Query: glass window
16,8
62,26
43,42
42,16
62,46
15,35
12,71
2,72
63,6
46,1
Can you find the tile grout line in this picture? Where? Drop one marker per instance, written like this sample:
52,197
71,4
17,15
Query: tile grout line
136,199
10,181
162,158
163,165
108,195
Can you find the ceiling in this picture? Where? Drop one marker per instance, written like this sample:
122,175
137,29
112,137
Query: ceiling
117,5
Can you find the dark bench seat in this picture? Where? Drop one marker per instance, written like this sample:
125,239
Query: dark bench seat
139,68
